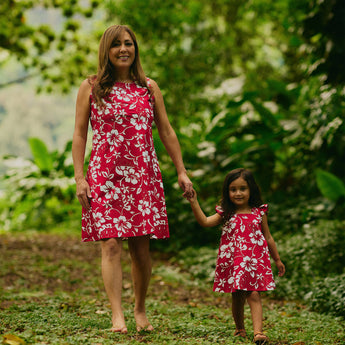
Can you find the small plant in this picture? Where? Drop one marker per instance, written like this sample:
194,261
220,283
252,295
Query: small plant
328,295
39,193
312,258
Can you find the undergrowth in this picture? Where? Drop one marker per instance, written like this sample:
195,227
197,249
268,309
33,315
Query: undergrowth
52,293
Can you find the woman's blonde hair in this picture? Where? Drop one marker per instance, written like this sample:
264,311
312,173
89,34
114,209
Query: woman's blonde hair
104,80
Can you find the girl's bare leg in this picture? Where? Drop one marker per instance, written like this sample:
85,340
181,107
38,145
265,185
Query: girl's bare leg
139,248
112,278
254,301
238,300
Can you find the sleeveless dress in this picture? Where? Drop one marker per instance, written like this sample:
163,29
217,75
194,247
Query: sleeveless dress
127,196
243,261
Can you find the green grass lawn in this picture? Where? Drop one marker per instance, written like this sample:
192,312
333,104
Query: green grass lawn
51,292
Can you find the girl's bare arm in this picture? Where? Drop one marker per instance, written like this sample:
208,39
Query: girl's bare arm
272,246
200,216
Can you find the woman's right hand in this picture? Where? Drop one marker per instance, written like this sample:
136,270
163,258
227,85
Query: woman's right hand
83,193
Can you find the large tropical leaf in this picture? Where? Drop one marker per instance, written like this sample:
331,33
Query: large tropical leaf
330,185
41,155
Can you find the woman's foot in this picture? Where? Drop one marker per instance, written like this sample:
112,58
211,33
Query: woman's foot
122,330
119,325
142,322
260,338
240,333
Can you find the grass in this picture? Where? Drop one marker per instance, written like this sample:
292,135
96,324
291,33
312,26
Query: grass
52,293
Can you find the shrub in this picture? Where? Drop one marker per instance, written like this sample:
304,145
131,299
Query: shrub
312,257
328,295
39,193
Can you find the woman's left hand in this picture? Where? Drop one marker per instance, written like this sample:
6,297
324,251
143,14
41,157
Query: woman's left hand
186,185
281,267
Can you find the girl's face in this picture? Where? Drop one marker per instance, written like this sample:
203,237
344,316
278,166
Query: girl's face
122,52
239,193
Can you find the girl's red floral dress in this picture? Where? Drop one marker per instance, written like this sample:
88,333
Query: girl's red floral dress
123,172
243,258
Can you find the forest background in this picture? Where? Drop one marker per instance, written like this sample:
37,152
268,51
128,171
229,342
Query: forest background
256,84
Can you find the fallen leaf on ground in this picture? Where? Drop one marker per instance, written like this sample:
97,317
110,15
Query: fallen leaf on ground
10,339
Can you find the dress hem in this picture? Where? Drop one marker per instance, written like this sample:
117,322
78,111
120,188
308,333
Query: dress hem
124,238
251,290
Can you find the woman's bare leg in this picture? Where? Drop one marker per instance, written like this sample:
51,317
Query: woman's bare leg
139,248
112,278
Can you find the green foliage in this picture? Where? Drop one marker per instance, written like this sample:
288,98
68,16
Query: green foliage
42,158
200,262
328,295
39,194
42,47
311,258
253,84
330,186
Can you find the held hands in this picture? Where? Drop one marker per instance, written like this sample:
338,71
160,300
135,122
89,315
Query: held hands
83,193
186,185
192,197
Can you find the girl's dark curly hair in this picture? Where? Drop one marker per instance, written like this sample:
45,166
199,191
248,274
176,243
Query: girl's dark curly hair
255,199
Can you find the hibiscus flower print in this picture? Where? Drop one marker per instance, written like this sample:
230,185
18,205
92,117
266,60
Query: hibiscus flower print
122,225
249,264
114,137
225,251
129,173
256,238
107,189
144,207
99,221
138,123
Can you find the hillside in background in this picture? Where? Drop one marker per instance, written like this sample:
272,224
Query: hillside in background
24,114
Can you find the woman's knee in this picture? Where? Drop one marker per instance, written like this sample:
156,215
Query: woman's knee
111,247
139,248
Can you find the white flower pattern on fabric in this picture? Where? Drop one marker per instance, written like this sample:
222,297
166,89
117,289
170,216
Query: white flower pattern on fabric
123,174
243,261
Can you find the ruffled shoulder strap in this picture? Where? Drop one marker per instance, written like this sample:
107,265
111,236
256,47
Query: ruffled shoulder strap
219,210
263,209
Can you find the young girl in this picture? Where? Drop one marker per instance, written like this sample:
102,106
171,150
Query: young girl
243,265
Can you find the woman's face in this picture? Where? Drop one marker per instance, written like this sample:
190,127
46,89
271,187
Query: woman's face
122,52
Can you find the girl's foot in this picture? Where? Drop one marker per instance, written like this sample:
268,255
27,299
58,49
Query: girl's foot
240,333
142,322
260,338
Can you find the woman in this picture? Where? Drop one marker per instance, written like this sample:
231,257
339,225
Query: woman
122,194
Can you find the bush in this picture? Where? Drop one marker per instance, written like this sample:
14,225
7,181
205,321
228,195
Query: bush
328,295
200,262
311,258
39,193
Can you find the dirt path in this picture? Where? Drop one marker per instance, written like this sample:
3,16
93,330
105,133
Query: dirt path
38,261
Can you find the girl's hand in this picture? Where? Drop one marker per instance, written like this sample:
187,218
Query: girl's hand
186,185
281,267
192,197
83,193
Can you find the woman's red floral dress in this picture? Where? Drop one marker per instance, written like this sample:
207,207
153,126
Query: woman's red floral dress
123,172
243,261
